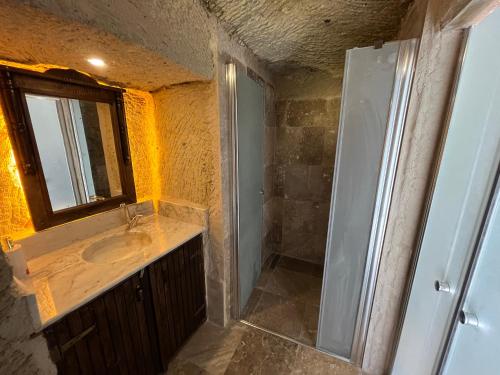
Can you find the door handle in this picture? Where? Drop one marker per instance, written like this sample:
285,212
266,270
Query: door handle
442,286
468,318
261,191
139,293
73,341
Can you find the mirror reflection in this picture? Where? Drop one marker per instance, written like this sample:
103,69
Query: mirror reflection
76,146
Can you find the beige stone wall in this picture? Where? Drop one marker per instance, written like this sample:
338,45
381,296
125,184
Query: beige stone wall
14,215
434,76
272,205
140,117
307,110
188,133
188,141
176,30
65,37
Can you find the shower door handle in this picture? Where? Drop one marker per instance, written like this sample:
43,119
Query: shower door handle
261,191
468,318
442,286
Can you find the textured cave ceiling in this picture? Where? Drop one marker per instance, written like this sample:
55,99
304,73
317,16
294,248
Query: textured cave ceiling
308,33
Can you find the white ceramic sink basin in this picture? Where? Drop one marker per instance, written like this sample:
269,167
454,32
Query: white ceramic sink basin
115,248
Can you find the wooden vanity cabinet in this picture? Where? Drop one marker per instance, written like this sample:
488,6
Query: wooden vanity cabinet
136,327
178,289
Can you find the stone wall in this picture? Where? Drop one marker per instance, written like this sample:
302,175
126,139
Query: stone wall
188,133
140,117
177,31
14,215
271,233
307,111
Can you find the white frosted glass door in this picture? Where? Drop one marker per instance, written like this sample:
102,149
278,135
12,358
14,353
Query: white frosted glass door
366,97
465,178
475,349
250,131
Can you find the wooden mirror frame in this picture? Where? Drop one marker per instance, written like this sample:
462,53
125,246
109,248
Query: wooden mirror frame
15,83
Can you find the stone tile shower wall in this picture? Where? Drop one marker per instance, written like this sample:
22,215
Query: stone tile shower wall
271,208
306,136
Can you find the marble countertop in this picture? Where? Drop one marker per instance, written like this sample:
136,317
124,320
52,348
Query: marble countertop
62,281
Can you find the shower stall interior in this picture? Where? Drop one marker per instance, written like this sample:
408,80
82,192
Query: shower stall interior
326,305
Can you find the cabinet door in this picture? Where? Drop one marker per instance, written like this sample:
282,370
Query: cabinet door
178,290
109,335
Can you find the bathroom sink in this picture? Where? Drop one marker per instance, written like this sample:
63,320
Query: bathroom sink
116,248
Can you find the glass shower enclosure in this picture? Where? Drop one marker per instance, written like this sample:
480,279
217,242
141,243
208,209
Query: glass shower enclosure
375,93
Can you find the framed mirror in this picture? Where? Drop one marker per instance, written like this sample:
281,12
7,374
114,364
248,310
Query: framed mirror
70,139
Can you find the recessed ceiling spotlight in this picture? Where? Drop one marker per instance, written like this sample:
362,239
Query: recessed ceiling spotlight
96,62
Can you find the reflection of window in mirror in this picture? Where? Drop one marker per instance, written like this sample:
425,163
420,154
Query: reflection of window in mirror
70,139
76,145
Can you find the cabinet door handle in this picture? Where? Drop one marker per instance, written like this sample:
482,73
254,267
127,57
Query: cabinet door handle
68,345
139,292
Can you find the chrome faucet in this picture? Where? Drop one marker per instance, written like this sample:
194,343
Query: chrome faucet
6,244
132,221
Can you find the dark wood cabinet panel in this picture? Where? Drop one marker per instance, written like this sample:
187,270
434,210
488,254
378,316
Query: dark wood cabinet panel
178,291
136,327
109,335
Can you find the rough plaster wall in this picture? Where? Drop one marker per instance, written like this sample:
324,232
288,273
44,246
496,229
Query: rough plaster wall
290,32
176,30
307,109
31,36
185,117
188,135
14,215
140,117
310,83
19,354
434,76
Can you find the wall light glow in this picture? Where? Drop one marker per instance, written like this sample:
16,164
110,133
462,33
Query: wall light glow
12,166
96,62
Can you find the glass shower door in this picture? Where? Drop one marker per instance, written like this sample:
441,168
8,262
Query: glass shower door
250,109
374,100
366,97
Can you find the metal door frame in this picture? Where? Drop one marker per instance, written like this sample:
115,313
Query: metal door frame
234,188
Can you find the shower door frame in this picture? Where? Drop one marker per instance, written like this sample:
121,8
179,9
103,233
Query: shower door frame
234,181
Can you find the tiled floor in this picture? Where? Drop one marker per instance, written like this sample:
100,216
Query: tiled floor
243,350
286,299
